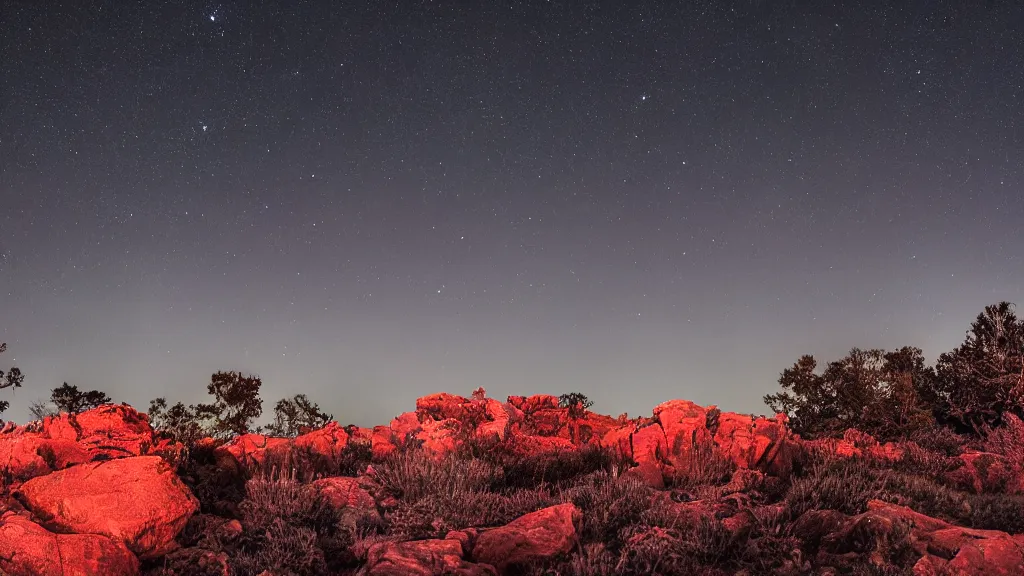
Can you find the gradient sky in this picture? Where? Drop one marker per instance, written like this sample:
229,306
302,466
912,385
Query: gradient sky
368,202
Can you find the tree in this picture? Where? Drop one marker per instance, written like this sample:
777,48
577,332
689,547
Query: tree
236,404
983,378
881,393
69,399
293,416
13,378
179,421
40,409
576,402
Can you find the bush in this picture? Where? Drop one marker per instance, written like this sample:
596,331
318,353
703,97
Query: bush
703,464
608,505
286,526
846,486
555,467
412,475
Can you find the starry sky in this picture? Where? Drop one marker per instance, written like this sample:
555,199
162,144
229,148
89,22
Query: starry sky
368,202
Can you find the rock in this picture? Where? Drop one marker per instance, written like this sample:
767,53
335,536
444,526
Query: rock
382,443
535,537
138,501
648,444
813,526
530,404
438,436
328,443
249,451
442,406
344,493
197,562
1001,556
27,549
422,558
649,474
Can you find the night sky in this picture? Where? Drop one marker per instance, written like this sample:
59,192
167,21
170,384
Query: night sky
370,202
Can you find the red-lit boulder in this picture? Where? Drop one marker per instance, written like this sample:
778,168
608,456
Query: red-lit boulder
648,444
328,442
27,549
441,406
535,537
138,501
382,443
530,404
497,420
422,558
249,451
438,436
344,493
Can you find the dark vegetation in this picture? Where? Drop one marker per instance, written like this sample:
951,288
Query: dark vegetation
971,398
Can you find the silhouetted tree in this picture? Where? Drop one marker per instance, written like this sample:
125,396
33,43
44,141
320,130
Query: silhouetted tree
236,404
878,392
179,421
983,379
13,378
576,402
292,416
71,400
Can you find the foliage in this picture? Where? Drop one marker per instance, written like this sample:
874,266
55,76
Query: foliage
236,404
13,378
293,416
881,393
40,409
71,400
287,528
576,402
180,422
983,379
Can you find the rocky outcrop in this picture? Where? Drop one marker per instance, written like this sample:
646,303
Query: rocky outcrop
137,501
105,433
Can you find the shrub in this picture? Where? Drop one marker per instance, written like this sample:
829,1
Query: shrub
703,464
414,474
286,527
555,467
846,486
608,505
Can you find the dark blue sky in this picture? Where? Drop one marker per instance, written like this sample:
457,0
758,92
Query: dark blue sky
369,202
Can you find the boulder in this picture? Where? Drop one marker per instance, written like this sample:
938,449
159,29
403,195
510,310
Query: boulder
382,443
535,537
138,501
248,451
441,406
28,549
422,558
328,442
344,493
